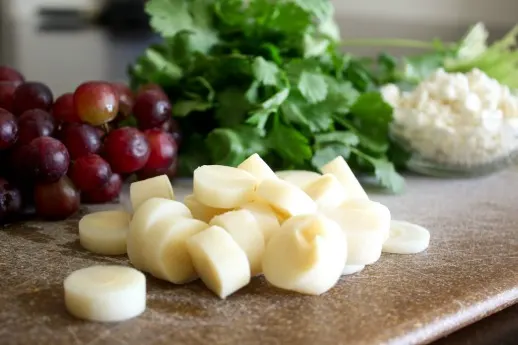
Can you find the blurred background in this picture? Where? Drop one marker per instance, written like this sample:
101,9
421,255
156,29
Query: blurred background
63,42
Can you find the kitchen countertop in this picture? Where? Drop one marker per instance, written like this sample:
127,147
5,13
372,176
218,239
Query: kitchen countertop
469,272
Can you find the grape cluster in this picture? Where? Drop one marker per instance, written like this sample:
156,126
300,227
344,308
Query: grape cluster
56,153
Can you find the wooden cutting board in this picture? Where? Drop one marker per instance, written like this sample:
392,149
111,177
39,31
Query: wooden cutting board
469,272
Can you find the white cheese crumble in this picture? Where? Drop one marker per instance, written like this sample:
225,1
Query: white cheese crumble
456,119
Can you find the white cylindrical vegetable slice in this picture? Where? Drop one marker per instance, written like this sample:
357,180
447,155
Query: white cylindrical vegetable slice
307,255
257,167
366,224
352,269
326,191
105,293
244,229
341,170
104,232
200,211
299,178
219,261
265,216
286,199
358,214
165,249
156,187
144,218
406,238
223,187
364,247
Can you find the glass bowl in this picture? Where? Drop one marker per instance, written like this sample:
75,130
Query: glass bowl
421,164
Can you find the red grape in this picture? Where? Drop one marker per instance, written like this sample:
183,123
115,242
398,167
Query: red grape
51,161
109,192
150,87
7,95
58,200
96,102
80,139
33,124
171,126
101,132
126,100
10,201
5,166
10,74
90,172
8,130
151,109
64,110
170,171
126,149
32,95
162,148
23,163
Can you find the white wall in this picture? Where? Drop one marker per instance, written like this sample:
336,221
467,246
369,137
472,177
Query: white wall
421,19
493,12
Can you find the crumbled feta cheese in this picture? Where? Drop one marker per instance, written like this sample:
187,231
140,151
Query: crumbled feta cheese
391,94
456,118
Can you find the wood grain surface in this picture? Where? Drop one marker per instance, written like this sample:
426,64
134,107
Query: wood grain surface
469,272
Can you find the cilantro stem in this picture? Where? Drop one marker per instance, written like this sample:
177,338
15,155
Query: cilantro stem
346,124
360,154
390,42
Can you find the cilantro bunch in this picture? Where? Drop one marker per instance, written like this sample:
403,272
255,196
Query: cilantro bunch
498,60
269,77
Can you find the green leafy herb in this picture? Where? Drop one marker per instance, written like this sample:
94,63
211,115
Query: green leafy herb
269,77
313,87
498,60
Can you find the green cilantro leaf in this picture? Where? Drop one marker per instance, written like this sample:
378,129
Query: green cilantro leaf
384,171
289,143
163,64
293,114
230,12
387,176
341,96
341,137
318,8
232,146
387,69
418,68
313,87
372,119
233,107
372,107
270,106
315,117
185,107
326,154
360,76
265,72
295,67
252,94
194,154
168,17
288,17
